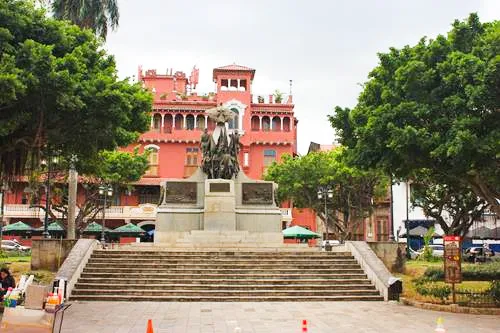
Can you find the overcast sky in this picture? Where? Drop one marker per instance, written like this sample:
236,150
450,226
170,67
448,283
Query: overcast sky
326,47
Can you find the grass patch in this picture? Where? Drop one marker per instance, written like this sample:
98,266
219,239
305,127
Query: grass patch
22,266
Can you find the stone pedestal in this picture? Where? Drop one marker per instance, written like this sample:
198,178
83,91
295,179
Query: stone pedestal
220,205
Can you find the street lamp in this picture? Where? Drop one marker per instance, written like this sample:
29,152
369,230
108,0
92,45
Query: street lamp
51,160
105,191
4,188
325,192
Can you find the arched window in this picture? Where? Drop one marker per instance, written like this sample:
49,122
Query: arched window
179,122
190,122
200,122
157,122
266,123
168,123
276,124
233,123
255,123
286,124
153,161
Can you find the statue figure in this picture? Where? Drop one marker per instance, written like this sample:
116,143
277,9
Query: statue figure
220,159
205,143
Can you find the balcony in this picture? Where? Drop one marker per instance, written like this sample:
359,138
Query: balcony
141,212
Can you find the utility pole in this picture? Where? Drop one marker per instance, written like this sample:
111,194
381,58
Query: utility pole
72,192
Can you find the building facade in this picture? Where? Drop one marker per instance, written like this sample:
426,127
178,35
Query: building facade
266,124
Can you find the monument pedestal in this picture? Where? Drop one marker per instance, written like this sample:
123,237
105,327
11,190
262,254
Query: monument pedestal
218,213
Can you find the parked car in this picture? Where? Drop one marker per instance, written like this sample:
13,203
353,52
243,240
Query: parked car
477,254
13,245
437,251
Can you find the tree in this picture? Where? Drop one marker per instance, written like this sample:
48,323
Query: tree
433,106
115,168
59,92
299,178
452,204
97,15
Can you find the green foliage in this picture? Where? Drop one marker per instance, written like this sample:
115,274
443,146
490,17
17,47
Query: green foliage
427,255
494,291
477,272
98,16
121,168
299,178
59,89
278,96
430,289
434,106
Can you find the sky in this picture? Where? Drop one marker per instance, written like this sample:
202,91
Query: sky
326,47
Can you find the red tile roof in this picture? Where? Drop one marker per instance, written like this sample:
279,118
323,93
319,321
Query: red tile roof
234,67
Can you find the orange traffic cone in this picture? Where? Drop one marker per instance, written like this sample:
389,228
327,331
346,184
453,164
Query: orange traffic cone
150,326
304,325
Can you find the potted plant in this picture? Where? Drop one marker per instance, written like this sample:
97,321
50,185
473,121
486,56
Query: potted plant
278,96
204,97
260,99
163,96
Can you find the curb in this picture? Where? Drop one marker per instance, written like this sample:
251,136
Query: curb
455,308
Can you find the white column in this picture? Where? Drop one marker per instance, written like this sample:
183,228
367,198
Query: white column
260,123
195,121
185,125
270,123
281,123
173,121
162,121
238,87
152,120
206,121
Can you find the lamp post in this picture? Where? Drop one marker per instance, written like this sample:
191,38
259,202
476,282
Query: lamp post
407,224
106,191
48,163
2,190
325,192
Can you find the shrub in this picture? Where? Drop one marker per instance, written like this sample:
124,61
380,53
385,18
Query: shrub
494,291
441,292
478,272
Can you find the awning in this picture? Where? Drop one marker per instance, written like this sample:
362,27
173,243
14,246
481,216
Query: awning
94,227
18,226
54,226
128,228
299,232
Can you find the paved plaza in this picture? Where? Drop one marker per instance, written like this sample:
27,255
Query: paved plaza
323,317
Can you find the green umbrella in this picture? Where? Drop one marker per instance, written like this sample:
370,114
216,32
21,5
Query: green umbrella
128,228
299,232
18,226
94,227
54,226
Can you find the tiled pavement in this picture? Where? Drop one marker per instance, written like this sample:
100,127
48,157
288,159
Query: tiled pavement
323,317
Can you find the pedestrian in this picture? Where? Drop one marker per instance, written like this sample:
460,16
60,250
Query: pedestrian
7,281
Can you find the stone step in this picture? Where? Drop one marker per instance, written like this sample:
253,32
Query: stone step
247,270
224,293
235,281
273,298
220,257
170,275
222,286
139,261
222,253
202,266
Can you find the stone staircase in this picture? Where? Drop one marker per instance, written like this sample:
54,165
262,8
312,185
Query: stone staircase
155,275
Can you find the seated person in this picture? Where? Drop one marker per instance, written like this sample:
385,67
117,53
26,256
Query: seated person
7,281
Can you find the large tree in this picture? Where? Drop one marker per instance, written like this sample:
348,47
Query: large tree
433,106
299,179
59,92
115,168
97,15
451,204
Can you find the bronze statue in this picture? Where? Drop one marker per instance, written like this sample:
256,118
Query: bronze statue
220,160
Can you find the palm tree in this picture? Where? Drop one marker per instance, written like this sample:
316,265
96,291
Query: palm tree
97,15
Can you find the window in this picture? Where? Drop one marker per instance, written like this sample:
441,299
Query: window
157,122
243,85
382,230
233,123
153,162
190,122
191,156
266,123
149,194
269,157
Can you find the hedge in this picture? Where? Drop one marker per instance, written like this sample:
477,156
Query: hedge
477,272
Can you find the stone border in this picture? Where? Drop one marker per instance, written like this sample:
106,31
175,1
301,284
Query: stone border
75,262
455,308
373,267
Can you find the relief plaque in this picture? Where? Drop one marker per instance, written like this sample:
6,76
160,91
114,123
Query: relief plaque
180,192
220,187
257,193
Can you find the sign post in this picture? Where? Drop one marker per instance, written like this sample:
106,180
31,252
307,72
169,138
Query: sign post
452,261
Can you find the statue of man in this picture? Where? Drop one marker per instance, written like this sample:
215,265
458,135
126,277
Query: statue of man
205,143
